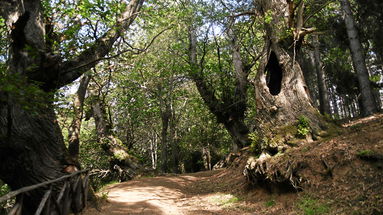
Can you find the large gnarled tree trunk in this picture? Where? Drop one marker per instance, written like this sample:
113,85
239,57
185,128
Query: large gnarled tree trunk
282,96
281,92
31,144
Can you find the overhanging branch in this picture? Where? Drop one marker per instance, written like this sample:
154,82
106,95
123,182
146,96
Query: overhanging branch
74,68
135,51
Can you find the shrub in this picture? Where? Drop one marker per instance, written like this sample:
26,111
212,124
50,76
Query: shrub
303,127
4,189
254,141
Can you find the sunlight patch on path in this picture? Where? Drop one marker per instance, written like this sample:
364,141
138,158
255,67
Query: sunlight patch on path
145,200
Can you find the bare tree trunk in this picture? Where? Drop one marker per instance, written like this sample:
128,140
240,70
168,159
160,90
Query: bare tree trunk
153,150
74,131
324,106
334,101
367,98
32,149
284,99
130,137
165,118
174,140
206,156
308,68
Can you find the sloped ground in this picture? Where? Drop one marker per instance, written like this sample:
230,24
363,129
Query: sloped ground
351,177
341,175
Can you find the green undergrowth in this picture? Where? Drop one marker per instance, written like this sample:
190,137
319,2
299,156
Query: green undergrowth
5,189
364,153
104,195
270,203
312,206
303,127
225,200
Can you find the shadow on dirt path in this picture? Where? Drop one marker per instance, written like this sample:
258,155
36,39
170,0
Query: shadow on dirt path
168,195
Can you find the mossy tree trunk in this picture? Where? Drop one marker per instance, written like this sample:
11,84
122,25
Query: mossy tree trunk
121,162
281,92
32,149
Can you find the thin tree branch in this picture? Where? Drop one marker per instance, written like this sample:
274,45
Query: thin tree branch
245,13
315,12
132,49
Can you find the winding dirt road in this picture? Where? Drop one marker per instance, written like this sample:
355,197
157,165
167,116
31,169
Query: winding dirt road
192,194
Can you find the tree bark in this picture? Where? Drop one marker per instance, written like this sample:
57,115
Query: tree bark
170,161
74,131
307,63
174,140
165,118
206,156
281,94
120,160
32,149
334,101
367,98
153,149
324,103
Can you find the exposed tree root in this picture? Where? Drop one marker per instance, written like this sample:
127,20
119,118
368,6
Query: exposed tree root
274,174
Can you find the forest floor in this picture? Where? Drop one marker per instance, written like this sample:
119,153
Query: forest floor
343,175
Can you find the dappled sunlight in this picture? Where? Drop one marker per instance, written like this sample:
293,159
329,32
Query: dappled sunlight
198,193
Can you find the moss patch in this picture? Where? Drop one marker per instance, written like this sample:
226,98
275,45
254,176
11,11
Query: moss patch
310,206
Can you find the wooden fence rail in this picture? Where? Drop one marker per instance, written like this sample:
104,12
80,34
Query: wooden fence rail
72,196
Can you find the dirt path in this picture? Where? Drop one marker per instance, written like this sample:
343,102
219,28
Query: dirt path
197,193
341,175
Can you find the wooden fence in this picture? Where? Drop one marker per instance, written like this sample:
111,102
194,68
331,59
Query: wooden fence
71,198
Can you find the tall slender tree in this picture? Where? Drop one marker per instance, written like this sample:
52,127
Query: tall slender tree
324,103
368,101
